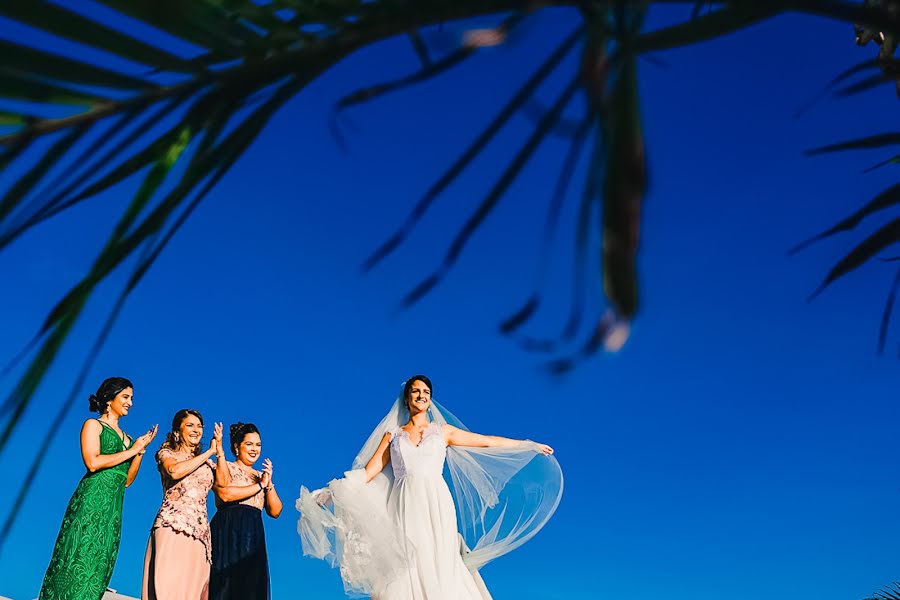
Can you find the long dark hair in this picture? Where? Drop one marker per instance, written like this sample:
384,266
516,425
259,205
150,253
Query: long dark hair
107,392
172,442
237,433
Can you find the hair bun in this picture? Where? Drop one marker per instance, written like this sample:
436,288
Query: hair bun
94,403
235,428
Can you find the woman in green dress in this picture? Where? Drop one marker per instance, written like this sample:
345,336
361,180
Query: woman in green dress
88,540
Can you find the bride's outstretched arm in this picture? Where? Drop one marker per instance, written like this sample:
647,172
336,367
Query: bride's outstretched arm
460,437
380,459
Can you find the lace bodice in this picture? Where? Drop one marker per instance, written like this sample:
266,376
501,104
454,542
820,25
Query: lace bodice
240,477
184,501
426,459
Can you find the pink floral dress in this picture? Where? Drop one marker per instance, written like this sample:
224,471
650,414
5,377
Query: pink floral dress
184,501
240,477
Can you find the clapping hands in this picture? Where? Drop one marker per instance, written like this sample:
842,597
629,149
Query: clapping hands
267,473
143,441
215,444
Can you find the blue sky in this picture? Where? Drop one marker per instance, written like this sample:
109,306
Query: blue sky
741,444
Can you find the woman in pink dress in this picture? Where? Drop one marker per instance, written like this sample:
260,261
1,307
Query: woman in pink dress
176,564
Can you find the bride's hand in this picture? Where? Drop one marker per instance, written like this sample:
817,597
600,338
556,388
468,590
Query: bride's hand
322,496
544,448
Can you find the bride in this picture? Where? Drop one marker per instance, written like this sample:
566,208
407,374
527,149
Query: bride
397,530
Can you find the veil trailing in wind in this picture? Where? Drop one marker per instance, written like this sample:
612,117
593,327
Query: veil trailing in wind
503,497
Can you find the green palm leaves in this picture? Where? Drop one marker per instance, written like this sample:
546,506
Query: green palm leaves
176,91
890,592
175,122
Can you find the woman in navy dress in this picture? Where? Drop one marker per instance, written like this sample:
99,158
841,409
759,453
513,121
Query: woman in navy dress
240,566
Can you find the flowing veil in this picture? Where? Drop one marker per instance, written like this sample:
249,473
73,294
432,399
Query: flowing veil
503,497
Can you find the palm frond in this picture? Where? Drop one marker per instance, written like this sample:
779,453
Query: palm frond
493,197
178,120
471,153
889,592
567,171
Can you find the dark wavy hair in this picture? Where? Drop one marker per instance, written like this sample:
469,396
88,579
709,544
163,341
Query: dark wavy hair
107,392
237,433
171,440
407,387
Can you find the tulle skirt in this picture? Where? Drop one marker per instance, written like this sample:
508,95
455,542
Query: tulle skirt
421,507
404,547
240,566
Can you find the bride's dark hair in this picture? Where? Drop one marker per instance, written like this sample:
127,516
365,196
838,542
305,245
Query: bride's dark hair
107,392
237,433
172,442
407,388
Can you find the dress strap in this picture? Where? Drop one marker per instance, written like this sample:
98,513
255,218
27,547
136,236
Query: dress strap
122,437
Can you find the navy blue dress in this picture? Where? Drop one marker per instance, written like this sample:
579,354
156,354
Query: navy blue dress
240,565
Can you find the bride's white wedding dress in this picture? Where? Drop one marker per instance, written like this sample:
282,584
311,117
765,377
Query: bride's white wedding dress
421,505
407,534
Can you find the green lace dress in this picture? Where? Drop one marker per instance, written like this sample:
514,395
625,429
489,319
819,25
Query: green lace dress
88,541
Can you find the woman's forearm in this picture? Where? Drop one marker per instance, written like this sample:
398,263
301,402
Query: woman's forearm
461,437
496,441
184,468
133,468
223,474
105,461
273,503
236,493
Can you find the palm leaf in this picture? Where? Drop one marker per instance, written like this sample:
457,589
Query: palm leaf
468,156
201,23
886,199
59,68
573,154
890,592
18,86
61,319
17,192
70,25
888,310
884,237
431,69
245,51
623,191
45,207
494,196
838,79
865,143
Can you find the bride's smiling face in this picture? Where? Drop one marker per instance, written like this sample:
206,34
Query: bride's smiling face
419,397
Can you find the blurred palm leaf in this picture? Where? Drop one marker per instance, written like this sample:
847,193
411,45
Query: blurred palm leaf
890,592
177,120
888,234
